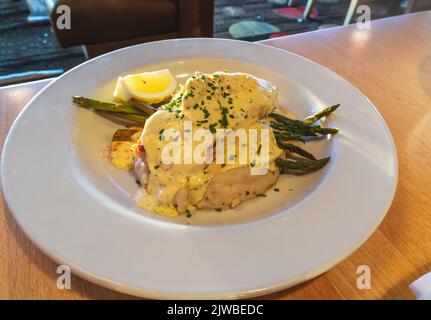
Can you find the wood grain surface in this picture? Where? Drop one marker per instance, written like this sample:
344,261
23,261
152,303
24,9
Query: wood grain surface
391,64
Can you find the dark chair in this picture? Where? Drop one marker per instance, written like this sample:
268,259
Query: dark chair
106,25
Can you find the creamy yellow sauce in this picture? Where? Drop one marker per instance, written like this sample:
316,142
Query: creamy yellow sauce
211,101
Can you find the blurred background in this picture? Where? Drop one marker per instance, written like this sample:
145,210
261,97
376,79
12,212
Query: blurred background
32,47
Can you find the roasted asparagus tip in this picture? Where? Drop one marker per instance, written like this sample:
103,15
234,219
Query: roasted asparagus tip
321,114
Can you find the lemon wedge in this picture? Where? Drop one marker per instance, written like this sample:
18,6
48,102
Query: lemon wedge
149,87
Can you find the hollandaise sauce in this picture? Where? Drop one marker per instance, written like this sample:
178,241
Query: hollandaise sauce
229,101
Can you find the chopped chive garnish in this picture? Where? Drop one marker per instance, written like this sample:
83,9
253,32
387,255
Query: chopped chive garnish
212,127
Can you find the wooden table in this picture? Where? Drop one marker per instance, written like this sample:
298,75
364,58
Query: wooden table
391,64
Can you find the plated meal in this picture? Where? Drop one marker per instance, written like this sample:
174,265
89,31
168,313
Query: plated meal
132,188
151,104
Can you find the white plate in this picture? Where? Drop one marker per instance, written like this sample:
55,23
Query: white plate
77,208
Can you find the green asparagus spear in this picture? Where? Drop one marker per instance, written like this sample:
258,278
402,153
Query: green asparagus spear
128,120
291,128
300,166
286,129
143,106
297,127
288,136
287,121
306,131
295,149
106,106
322,131
323,113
